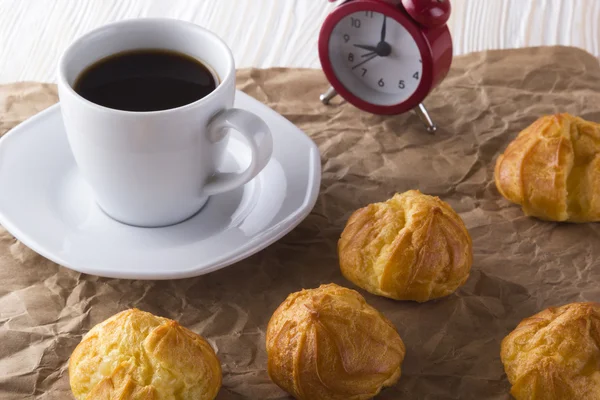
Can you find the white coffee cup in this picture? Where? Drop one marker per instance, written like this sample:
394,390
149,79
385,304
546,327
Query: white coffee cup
157,168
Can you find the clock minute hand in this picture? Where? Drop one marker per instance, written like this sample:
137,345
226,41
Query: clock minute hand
383,29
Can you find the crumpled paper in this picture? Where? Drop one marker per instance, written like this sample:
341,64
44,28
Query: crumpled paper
521,265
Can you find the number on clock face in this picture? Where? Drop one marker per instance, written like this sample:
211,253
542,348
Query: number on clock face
375,58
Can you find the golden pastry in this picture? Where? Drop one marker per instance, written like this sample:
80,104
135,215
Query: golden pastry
555,354
552,169
135,355
412,247
329,344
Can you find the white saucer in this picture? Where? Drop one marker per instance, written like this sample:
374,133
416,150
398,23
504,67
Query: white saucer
46,205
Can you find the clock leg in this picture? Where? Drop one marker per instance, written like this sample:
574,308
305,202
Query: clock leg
425,118
327,96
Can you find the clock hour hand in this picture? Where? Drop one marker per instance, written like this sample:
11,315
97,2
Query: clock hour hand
383,49
365,47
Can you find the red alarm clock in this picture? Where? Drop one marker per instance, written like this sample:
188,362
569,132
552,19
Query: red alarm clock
386,56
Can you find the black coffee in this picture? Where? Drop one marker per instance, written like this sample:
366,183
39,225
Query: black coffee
145,80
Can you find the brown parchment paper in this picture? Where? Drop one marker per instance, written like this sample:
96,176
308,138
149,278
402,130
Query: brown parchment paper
521,265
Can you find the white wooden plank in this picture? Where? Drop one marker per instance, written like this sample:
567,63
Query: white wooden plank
265,33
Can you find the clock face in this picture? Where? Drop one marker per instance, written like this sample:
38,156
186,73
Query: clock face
375,58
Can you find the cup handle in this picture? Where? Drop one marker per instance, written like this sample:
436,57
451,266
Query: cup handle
258,138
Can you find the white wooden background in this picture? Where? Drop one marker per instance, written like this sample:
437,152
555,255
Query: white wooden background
265,33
